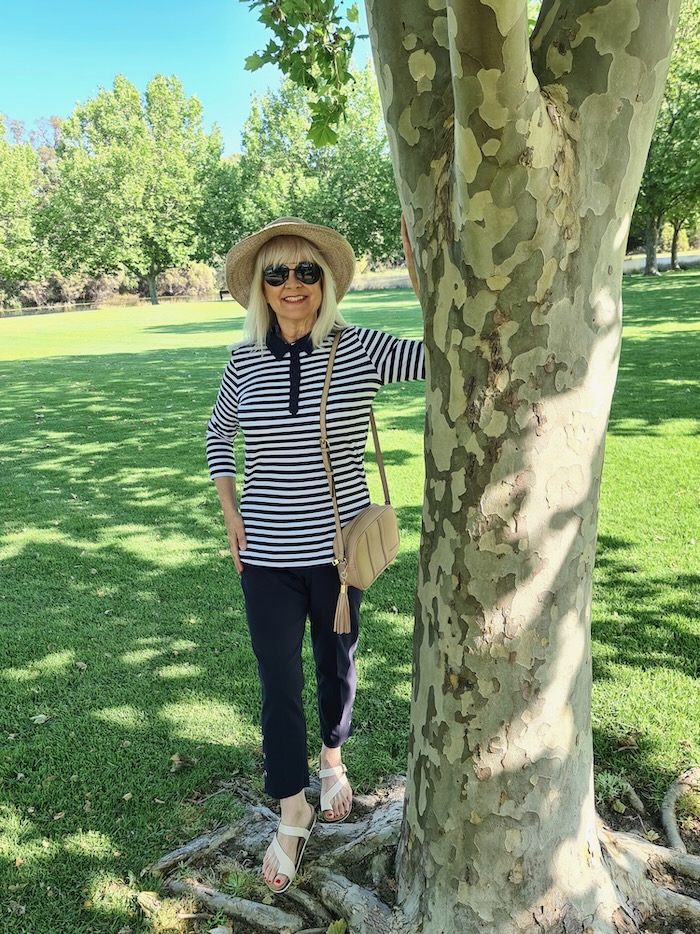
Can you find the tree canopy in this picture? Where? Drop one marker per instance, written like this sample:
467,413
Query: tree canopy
349,185
19,183
133,173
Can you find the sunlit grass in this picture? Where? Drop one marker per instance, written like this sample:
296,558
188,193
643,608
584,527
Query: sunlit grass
121,619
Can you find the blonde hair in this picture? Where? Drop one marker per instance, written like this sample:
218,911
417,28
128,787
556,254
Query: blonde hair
260,318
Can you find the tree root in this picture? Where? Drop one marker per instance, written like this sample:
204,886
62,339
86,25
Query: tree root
644,871
688,781
265,916
349,867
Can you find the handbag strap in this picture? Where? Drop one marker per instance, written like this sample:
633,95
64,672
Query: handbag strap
325,447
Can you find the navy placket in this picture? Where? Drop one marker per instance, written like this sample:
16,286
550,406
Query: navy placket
279,348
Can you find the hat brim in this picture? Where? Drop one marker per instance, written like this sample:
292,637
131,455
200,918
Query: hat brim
337,252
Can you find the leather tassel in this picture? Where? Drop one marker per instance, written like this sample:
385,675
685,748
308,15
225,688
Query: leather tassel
341,624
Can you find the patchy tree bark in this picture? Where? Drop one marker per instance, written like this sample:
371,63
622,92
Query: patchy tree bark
518,162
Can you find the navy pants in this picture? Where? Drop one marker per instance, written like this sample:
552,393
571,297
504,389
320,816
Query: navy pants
278,602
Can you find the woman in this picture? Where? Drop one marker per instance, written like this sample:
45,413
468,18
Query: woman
290,276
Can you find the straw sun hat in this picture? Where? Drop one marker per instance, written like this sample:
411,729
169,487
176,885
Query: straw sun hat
337,252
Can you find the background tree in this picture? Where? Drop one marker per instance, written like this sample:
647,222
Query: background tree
670,187
349,184
219,222
518,160
275,158
133,174
19,180
356,189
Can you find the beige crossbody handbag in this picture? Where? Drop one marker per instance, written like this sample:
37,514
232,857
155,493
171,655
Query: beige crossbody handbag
368,543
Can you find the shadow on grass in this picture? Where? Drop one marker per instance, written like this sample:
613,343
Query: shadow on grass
232,328
658,378
642,623
122,624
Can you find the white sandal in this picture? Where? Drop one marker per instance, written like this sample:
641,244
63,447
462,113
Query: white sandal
286,866
339,771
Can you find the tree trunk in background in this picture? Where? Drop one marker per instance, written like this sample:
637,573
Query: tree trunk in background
677,227
518,173
651,242
152,290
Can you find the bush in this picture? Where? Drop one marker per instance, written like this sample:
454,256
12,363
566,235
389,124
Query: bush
195,279
104,288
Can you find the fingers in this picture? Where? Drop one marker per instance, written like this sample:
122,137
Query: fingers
237,541
408,253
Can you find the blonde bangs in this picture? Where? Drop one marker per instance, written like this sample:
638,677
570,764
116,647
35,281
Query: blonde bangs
289,250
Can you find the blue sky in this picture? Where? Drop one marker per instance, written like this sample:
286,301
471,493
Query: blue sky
54,53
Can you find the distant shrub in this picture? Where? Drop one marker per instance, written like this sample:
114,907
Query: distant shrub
195,279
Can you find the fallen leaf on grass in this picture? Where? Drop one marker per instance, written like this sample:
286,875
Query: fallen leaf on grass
127,797
16,908
40,718
81,666
181,762
60,815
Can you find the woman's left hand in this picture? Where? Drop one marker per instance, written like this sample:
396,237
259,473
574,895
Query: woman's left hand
408,253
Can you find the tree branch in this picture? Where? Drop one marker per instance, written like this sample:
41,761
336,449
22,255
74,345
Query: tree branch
412,63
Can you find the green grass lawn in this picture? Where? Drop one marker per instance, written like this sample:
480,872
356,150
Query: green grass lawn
122,635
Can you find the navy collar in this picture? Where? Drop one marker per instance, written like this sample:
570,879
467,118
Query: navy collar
279,348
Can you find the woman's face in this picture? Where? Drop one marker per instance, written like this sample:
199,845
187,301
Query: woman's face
295,304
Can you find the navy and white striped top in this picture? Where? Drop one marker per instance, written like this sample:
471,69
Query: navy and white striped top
274,397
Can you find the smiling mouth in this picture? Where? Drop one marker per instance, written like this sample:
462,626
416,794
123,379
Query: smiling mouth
295,299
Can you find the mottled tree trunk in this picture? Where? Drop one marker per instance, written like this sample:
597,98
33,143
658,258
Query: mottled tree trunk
518,165
651,244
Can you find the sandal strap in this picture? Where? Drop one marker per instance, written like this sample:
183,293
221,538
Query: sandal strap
333,770
340,771
286,866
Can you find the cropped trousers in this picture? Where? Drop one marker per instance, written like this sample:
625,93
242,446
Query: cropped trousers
278,603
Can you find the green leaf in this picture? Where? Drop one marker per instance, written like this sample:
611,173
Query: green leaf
253,62
337,927
353,14
321,133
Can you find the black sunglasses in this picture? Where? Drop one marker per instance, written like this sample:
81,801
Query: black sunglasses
306,272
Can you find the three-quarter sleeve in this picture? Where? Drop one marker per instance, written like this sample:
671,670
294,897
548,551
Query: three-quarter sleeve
395,359
223,426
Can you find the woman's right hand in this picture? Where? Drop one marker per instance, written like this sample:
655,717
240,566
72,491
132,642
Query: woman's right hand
236,538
